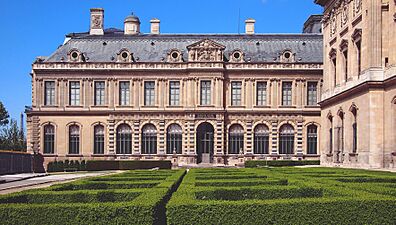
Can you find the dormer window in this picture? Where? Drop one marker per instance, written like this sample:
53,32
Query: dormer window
124,56
74,55
237,56
287,57
175,56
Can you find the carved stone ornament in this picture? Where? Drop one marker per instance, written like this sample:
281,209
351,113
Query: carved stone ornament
344,14
357,7
205,50
333,24
96,22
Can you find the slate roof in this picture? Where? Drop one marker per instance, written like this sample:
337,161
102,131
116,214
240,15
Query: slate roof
154,48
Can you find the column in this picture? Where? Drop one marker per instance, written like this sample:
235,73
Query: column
161,144
219,137
274,139
136,137
249,137
111,135
299,147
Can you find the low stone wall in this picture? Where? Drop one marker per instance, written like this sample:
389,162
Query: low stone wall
15,162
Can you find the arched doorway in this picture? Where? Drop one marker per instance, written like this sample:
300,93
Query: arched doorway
205,143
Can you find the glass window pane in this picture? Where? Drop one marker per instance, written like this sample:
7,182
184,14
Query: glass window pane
205,92
124,93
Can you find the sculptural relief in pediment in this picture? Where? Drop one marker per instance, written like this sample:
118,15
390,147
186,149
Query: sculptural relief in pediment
205,50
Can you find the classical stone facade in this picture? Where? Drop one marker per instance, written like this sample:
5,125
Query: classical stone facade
220,99
359,89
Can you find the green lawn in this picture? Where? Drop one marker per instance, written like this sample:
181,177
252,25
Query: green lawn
284,195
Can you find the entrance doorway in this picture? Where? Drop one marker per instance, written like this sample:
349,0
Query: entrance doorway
204,143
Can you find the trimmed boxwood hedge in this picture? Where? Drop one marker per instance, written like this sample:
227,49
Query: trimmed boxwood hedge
260,163
127,206
98,165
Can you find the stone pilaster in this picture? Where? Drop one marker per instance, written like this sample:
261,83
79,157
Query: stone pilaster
111,135
299,146
249,137
161,144
136,137
274,141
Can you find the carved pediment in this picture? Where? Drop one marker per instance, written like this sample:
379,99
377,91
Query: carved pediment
205,50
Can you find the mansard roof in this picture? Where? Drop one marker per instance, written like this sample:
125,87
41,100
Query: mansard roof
257,48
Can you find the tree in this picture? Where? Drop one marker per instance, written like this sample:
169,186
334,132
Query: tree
3,115
12,137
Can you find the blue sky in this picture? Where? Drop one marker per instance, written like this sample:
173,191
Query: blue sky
31,28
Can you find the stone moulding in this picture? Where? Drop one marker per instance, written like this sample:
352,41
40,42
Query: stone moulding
174,66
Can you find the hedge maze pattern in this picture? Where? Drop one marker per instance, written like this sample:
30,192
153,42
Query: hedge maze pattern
284,196
134,197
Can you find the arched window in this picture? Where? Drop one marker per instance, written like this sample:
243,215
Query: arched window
124,139
174,139
261,139
286,139
149,139
49,139
99,139
354,130
235,139
312,139
74,139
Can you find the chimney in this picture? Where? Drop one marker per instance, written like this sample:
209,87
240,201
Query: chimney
131,25
249,26
97,19
155,26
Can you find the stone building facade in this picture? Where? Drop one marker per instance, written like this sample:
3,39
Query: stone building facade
359,89
220,99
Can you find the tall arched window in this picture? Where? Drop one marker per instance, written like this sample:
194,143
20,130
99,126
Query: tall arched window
286,139
235,139
354,130
149,139
124,139
74,139
174,139
261,139
49,139
99,139
312,139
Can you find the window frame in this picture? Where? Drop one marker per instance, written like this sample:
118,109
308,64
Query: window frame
236,139
261,140
261,94
49,141
124,93
74,140
99,141
236,93
205,92
149,141
49,98
312,139
149,93
312,94
124,141
99,93
286,144
174,140
287,95
74,93
174,93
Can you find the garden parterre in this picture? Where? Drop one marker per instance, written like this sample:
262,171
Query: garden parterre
133,197
284,196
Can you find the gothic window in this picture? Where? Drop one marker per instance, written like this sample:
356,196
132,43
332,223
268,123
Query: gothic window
174,93
261,94
99,93
205,92
286,139
236,93
49,93
359,56
124,93
345,54
312,93
74,93
235,139
74,139
174,139
261,139
124,139
49,139
99,139
287,93
312,139
149,139
149,93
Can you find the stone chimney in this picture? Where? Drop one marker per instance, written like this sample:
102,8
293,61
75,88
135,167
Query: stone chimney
131,25
155,26
97,20
249,26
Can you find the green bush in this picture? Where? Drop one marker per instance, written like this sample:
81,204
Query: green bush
253,182
259,193
258,163
98,165
67,165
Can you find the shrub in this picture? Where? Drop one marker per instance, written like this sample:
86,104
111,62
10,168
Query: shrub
257,163
98,165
